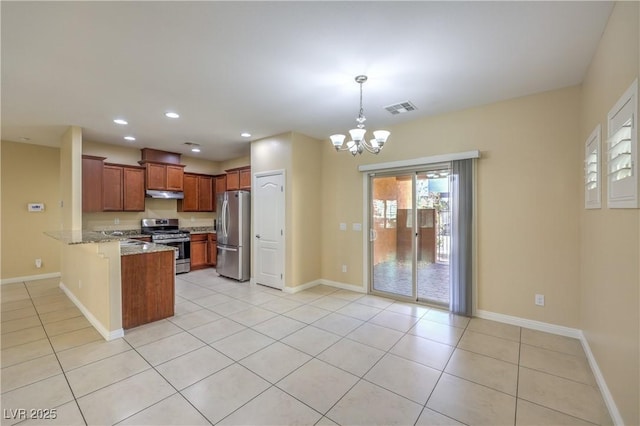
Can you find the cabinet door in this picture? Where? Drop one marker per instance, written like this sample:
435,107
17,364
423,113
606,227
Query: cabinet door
112,188
205,194
133,195
156,176
198,254
175,175
92,184
245,179
190,201
233,180
213,249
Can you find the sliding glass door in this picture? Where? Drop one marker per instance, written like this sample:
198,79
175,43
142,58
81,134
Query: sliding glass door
409,235
391,235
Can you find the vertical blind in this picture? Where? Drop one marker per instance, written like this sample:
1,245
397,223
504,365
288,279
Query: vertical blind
461,237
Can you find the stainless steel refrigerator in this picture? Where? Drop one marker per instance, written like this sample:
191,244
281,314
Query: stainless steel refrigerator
233,228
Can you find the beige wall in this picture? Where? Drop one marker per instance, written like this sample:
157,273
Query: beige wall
91,273
528,192
610,238
298,156
275,153
30,174
305,190
71,178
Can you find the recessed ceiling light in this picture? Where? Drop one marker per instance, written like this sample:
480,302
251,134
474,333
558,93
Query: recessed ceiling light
245,134
130,138
120,121
194,146
172,114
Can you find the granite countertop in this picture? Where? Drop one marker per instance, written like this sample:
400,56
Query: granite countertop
130,247
200,229
127,245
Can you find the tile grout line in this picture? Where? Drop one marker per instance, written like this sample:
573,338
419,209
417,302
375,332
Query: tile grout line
55,353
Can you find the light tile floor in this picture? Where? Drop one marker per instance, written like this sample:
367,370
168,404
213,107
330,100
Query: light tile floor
241,354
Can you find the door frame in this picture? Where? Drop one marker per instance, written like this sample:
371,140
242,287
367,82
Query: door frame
254,247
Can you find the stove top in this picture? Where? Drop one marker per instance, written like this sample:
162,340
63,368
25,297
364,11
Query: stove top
163,229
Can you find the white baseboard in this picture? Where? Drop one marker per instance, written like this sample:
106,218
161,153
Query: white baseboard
602,384
30,278
343,286
568,332
302,287
108,335
310,284
532,324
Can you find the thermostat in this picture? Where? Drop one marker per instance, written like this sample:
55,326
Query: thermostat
36,207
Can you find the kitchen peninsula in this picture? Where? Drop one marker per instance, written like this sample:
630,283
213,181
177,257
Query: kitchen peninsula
116,281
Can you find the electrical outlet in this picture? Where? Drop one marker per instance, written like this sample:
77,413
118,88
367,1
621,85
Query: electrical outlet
79,283
344,268
38,263
539,299
116,221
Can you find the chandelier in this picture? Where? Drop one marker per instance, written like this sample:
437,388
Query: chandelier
358,142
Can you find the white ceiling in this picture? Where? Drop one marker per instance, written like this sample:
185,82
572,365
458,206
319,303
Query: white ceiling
271,67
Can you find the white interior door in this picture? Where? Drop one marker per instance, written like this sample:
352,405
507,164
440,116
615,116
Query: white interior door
269,204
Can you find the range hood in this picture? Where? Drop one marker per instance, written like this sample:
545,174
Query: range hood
169,195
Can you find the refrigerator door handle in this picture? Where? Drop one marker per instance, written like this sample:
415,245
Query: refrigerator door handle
227,248
225,225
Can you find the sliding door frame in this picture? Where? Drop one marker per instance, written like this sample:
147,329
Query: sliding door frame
406,165
412,171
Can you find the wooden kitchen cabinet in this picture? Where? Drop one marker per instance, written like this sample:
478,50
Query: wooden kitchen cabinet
239,178
220,185
133,189
123,188
199,249
148,287
198,193
245,179
164,177
213,249
175,175
92,182
112,188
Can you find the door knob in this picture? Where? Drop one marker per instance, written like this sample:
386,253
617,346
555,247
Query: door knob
257,235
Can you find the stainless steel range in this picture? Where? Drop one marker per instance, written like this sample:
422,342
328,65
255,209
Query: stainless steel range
168,233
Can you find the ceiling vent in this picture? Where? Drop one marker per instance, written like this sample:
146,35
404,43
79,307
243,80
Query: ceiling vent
400,108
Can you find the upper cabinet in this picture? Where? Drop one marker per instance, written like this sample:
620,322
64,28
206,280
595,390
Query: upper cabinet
164,177
111,187
164,171
92,178
622,154
123,188
239,178
198,193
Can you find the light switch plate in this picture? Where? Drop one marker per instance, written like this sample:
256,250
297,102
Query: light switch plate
356,227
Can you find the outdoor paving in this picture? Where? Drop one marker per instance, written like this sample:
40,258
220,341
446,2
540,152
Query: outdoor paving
395,277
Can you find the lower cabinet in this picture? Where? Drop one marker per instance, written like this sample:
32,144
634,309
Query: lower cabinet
203,250
199,248
148,287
